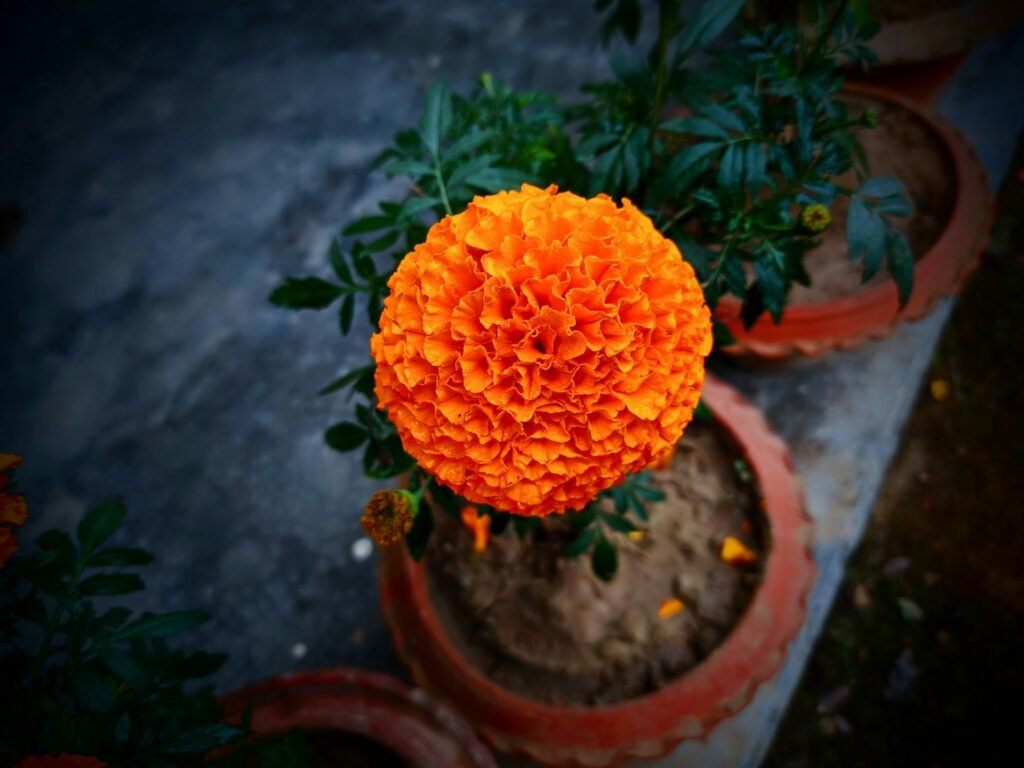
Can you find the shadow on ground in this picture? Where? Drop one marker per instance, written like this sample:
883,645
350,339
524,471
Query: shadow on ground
921,656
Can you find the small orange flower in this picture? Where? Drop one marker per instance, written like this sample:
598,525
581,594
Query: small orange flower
480,525
670,607
63,760
539,347
735,552
8,545
13,509
389,516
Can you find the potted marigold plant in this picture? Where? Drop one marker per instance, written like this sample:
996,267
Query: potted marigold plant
543,302
88,683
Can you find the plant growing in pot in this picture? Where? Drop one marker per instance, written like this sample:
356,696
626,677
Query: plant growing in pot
89,683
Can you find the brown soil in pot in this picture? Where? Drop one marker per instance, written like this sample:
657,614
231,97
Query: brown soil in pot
545,627
904,148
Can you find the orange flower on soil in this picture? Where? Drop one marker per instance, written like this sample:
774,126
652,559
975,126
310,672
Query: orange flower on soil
735,552
670,607
60,761
538,347
480,525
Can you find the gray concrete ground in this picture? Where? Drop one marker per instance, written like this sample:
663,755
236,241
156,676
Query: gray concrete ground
172,163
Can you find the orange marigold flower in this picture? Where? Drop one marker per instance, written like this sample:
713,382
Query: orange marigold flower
480,525
13,509
735,552
389,516
63,760
8,545
9,461
540,346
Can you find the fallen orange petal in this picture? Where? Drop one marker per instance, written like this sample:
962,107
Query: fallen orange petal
636,535
735,552
670,607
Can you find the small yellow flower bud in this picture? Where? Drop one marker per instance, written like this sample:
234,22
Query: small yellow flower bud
816,217
389,515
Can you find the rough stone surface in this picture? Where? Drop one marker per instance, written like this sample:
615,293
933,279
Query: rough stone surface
172,163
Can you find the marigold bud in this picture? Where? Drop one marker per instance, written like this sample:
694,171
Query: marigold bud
870,117
816,217
389,515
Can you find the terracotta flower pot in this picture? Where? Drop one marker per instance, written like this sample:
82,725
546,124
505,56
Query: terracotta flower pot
352,702
873,312
649,725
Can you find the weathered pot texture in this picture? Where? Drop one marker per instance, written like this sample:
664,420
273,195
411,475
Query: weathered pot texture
653,724
874,311
353,702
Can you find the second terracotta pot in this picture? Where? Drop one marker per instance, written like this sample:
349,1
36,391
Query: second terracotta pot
874,311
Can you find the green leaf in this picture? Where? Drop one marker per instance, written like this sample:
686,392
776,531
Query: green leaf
881,186
496,179
91,689
604,560
417,205
437,117
347,313
702,412
721,336
618,523
371,223
710,20
412,168
730,170
418,537
58,545
772,288
202,739
349,378
900,263
363,262
305,293
111,584
755,159
467,143
345,436
865,235
99,524
582,542
735,276
383,242
724,117
156,625
125,667
120,556
699,126
338,263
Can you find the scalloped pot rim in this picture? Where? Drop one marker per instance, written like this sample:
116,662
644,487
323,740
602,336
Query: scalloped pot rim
873,313
650,725
344,700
